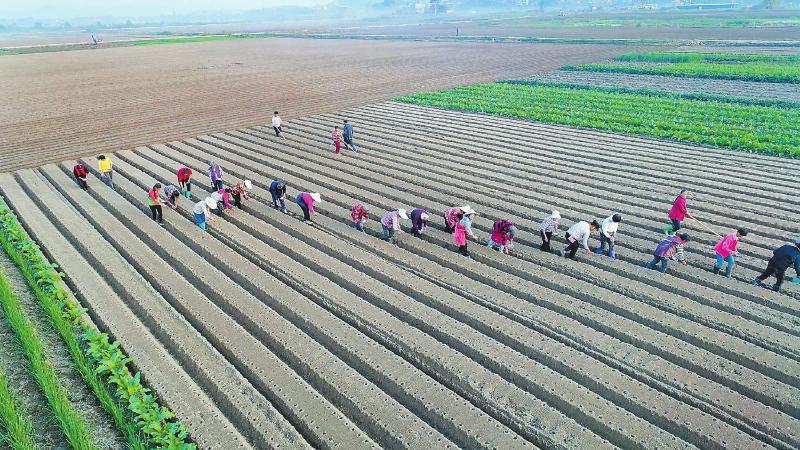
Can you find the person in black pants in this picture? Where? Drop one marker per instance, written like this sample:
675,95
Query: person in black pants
80,173
782,258
548,226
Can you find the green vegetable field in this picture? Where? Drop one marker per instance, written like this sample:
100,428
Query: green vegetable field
727,124
676,57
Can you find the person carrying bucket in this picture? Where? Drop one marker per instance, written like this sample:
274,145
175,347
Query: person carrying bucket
202,212
390,224
668,247
306,202
463,229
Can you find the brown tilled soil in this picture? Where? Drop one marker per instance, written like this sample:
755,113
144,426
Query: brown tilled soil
75,103
279,333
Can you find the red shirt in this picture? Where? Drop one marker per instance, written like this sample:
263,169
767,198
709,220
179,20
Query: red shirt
79,170
184,173
678,211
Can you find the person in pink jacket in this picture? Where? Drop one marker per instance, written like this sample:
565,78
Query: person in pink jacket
726,249
678,212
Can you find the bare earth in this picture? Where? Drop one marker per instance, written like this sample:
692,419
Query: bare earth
80,102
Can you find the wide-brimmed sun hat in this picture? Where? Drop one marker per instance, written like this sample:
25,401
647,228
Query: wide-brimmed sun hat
468,210
402,213
424,216
211,203
248,184
317,198
555,215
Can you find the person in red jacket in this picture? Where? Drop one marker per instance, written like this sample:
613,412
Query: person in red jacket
726,249
678,213
185,181
360,214
80,173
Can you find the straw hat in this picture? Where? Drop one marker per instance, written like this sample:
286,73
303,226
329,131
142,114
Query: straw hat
555,215
402,213
468,210
464,208
317,198
248,184
211,203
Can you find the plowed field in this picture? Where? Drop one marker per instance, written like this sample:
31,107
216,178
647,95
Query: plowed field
69,104
269,332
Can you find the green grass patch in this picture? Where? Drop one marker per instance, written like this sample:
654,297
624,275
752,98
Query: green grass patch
101,363
752,71
70,422
733,125
17,430
186,40
685,57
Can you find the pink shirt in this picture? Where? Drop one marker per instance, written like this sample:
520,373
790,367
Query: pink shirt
727,245
309,201
678,211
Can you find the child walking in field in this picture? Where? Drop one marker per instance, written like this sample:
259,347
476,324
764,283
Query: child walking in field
277,125
360,215
671,246
185,181
463,228
104,166
154,201
726,249
337,139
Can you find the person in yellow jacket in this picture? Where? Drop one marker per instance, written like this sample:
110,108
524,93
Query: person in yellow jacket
104,165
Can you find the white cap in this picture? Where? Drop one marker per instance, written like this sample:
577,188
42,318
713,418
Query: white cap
248,184
467,210
402,213
317,198
555,215
211,203
424,216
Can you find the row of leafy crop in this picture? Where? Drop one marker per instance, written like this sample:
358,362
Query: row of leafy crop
755,71
663,94
728,125
677,57
101,363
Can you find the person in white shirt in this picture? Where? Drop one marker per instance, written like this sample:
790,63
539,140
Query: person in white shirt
608,234
578,235
202,212
277,124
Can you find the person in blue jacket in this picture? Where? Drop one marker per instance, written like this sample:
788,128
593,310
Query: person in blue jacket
278,191
782,258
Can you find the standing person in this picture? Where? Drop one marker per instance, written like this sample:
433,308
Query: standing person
726,249
578,235
419,221
278,191
185,181
463,229
347,134
503,232
215,173
80,173
306,201
277,125
783,257
172,194
549,226
452,216
202,212
678,212
608,234
337,139
104,166
668,247
360,215
239,191
390,224
154,200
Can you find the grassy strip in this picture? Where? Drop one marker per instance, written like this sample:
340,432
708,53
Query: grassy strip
664,94
745,71
17,428
70,422
727,125
101,363
676,57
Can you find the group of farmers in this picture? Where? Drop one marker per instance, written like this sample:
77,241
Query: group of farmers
457,220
